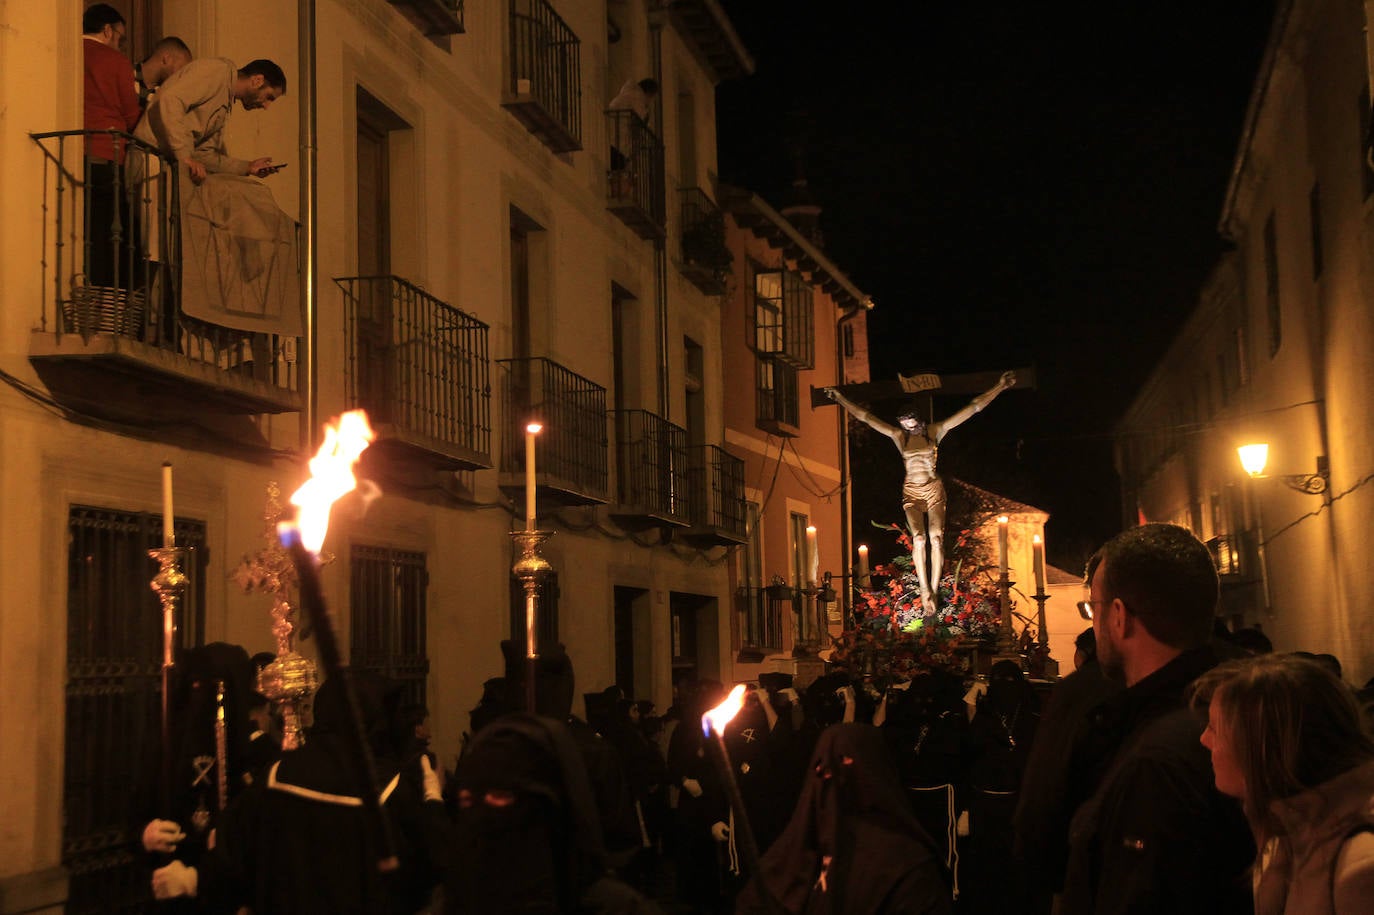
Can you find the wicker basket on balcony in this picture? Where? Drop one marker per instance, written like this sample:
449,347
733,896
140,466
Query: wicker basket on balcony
104,310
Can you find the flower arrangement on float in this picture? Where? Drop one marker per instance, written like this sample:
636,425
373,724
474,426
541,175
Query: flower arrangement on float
893,635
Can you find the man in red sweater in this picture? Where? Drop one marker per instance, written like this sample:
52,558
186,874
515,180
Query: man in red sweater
111,103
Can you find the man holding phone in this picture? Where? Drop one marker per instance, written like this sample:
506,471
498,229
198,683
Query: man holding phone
188,115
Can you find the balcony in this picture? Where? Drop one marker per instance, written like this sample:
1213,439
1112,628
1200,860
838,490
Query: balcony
706,259
651,471
419,367
112,339
435,19
635,181
716,488
570,452
545,88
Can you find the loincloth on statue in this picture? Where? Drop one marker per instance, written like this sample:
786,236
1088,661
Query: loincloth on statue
925,496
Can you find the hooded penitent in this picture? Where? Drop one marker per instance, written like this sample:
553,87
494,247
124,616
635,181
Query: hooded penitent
852,845
527,838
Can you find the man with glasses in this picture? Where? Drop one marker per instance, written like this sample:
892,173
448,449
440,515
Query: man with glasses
1153,834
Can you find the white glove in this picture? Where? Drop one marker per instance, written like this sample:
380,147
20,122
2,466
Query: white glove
431,779
176,879
692,787
720,832
847,694
162,835
791,695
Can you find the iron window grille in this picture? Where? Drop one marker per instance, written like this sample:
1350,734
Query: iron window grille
389,616
114,665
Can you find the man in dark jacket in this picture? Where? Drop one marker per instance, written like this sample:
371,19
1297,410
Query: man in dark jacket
1154,835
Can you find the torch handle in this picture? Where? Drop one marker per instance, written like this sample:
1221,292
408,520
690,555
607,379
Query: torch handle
744,832
312,601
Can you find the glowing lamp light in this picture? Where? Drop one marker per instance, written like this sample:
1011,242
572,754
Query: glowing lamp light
1253,457
331,478
717,718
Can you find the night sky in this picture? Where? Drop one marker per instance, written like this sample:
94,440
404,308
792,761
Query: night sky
1014,184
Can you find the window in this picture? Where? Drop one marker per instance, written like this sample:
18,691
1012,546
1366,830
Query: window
388,608
114,664
768,312
1271,285
759,627
778,410
1314,209
783,317
807,630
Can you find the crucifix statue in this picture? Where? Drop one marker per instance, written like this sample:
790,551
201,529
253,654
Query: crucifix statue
923,492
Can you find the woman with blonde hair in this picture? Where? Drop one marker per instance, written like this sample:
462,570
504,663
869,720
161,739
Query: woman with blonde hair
1289,741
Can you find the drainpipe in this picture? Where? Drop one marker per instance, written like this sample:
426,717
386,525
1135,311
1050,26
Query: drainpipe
846,503
309,365
660,244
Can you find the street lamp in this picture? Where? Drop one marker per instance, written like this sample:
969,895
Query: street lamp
1255,456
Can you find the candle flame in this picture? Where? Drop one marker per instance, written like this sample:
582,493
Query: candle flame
1035,538
534,428
331,478
1002,519
717,718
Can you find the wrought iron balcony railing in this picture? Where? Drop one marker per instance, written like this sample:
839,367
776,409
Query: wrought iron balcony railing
570,452
706,259
1235,556
111,256
635,180
419,367
759,619
545,87
718,508
651,468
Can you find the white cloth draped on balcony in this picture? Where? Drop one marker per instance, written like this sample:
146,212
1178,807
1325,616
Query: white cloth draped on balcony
239,261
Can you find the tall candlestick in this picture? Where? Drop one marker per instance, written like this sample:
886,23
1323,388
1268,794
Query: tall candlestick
863,565
813,558
1002,544
530,432
168,536
1038,560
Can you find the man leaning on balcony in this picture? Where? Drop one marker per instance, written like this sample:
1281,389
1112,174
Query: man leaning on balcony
188,115
238,268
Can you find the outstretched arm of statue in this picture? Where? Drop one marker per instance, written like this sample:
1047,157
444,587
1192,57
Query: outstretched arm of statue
976,405
859,412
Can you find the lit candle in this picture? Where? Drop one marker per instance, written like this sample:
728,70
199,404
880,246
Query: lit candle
530,432
1038,560
863,565
1002,544
812,557
168,536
